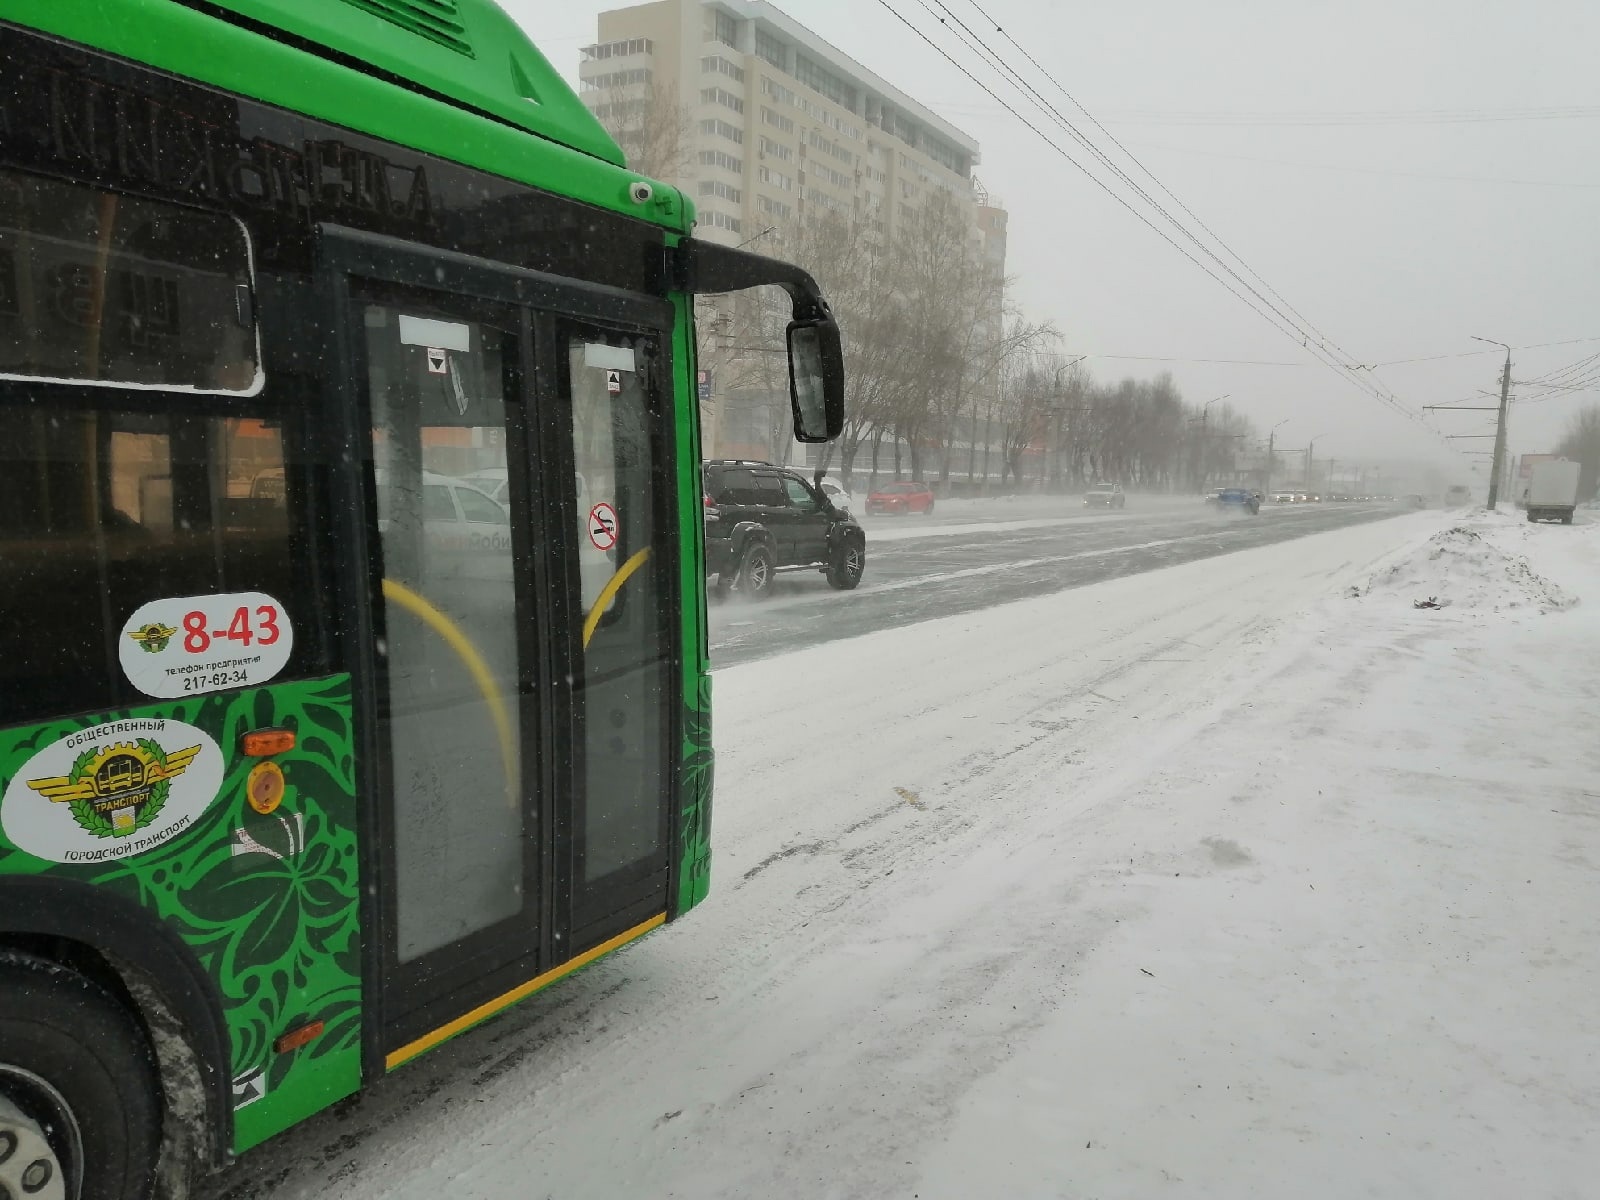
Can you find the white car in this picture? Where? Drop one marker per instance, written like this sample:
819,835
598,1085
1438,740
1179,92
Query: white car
494,483
837,495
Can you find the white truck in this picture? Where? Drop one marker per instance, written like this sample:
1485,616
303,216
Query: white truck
1552,493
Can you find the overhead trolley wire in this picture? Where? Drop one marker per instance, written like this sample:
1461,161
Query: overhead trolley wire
1311,339
1387,395
1054,145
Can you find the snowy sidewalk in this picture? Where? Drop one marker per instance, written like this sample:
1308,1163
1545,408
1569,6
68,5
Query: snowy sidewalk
1357,946
1214,881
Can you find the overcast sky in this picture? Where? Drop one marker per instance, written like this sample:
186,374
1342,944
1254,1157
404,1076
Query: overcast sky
1396,233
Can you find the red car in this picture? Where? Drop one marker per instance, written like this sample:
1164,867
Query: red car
900,498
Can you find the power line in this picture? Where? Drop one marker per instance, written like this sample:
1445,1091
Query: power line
1060,87
1056,146
1560,374
1239,362
992,58
1301,327
1470,116
1396,362
1392,362
975,43
1349,170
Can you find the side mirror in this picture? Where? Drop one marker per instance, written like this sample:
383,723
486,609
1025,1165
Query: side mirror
816,379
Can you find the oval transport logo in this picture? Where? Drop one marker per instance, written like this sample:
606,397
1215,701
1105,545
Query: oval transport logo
112,791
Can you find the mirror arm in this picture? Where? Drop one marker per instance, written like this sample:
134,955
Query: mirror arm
705,268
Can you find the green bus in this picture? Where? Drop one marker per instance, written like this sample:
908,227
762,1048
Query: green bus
353,657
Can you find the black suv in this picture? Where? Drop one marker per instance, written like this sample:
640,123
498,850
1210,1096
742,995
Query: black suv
761,519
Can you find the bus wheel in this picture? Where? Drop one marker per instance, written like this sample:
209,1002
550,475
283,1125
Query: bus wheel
755,572
80,1109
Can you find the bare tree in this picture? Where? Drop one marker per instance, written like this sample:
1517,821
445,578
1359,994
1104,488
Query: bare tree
854,268
651,125
1027,387
1581,443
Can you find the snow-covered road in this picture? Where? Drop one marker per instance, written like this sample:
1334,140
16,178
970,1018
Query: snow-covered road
920,570
1191,883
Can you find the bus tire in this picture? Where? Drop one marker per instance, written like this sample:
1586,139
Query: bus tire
78,1087
756,570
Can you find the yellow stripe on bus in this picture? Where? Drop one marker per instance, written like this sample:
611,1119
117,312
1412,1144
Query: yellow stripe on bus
484,1011
479,670
609,593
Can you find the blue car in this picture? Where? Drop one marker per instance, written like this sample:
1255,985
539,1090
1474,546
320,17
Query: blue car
1238,498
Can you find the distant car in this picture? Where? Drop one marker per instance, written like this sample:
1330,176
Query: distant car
1104,495
270,485
837,495
495,482
468,530
1239,498
761,519
1457,495
901,497
1283,497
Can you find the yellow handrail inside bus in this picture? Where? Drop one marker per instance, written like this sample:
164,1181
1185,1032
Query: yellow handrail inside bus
476,667
609,593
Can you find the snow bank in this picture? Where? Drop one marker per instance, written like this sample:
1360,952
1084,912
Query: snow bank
1473,565
1355,950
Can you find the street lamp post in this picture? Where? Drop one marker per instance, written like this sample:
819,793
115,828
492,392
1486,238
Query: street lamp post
1205,418
1500,427
1053,452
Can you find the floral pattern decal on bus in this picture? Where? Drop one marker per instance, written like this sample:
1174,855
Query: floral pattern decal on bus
699,764
267,903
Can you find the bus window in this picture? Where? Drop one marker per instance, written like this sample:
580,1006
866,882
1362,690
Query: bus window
616,428
98,287
103,511
451,620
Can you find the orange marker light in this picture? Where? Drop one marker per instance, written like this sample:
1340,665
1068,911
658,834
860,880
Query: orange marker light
296,1038
259,743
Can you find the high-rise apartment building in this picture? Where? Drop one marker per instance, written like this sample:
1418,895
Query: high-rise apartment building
779,121
777,125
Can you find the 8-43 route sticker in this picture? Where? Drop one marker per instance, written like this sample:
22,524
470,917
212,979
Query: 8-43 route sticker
189,645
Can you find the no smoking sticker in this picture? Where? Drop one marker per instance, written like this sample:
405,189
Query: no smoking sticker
603,526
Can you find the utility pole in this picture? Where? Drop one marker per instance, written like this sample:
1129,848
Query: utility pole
1272,460
1200,458
1311,447
1500,427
